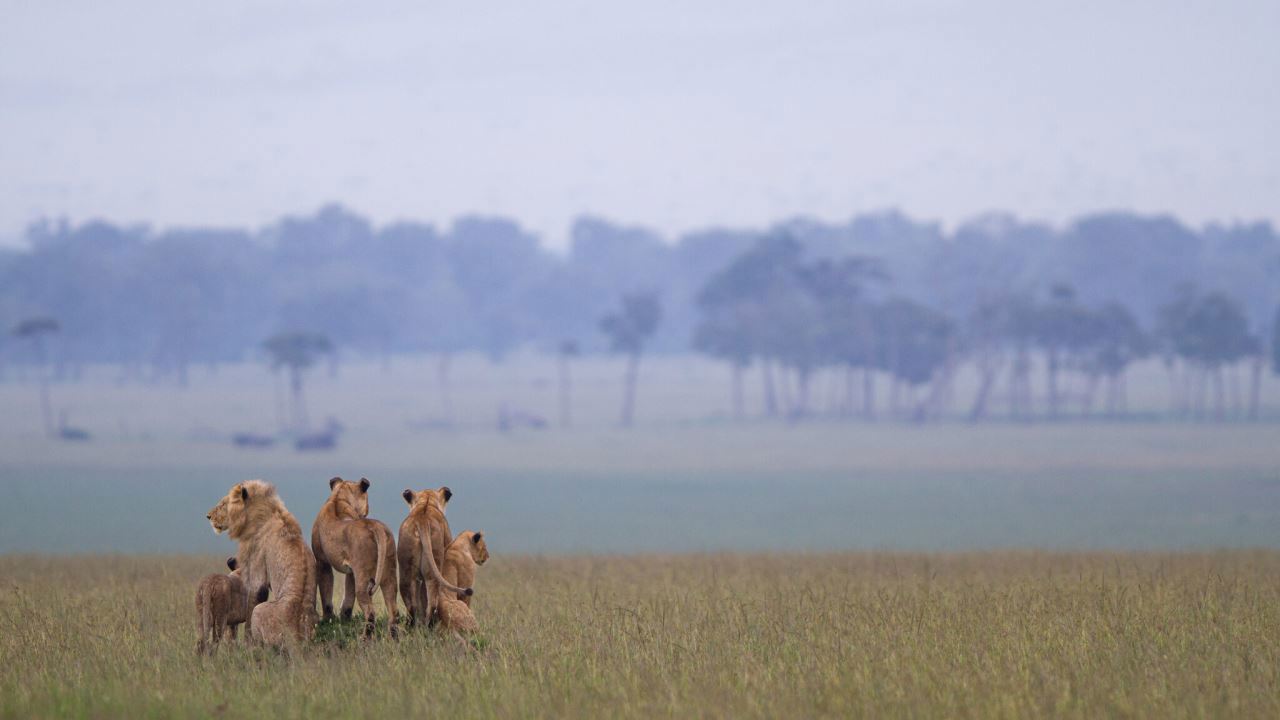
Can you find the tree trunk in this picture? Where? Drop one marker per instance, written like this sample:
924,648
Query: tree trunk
564,390
988,371
442,381
770,399
1237,404
1219,396
1086,396
46,407
1175,400
736,391
629,392
279,397
1051,368
801,406
300,421
1255,387
847,408
868,394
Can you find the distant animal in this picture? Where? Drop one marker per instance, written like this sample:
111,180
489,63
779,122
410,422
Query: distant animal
316,441
510,419
66,432
343,538
73,434
252,440
222,604
326,439
420,549
271,553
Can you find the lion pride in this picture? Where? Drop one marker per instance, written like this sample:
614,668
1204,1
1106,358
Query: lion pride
272,553
344,539
424,535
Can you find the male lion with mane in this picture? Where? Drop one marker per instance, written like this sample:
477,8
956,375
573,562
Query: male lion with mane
424,535
272,552
343,538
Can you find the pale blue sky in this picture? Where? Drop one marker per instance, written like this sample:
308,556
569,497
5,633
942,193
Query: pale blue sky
671,114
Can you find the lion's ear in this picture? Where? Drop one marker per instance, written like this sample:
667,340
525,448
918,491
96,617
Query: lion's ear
446,493
334,481
231,564
475,537
244,493
364,484
407,495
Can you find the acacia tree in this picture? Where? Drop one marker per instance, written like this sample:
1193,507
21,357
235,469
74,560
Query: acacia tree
296,351
847,337
987,328
750,291
724,333
34,331
917,344
1207,333
1116,341
628,328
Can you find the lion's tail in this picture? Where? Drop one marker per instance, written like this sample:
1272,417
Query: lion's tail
204,603
379,574
428,566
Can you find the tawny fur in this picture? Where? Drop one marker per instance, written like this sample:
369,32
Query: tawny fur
420,549
467,552
272,553
344,539
222,604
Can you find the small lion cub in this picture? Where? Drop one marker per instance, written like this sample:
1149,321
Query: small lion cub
467,552
221,605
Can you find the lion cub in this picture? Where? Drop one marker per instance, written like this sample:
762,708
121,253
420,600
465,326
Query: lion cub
344,539
221,605
467,552
424,537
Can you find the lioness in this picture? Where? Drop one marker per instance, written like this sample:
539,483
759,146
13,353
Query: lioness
272,552
221,605
344,539
424,535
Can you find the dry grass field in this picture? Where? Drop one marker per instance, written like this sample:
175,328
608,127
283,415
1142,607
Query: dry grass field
856,634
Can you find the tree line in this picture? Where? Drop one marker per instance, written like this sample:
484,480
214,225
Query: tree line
827,312
840,321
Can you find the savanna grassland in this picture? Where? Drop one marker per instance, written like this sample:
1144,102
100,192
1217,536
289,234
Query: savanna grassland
857,634
690,566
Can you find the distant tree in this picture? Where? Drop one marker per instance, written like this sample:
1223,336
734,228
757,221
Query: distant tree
755,292
1171,327
1061,329
847,338
724,333
917,343
1206,333
1275,344
567,350
628,329
987,328
297,351
1116,341
34,331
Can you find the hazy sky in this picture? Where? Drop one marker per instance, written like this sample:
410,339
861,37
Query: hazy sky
671,114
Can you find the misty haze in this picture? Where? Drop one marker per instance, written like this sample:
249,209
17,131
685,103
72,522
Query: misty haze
859,359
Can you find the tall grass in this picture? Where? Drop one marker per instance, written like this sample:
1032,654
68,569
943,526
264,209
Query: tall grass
871,634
